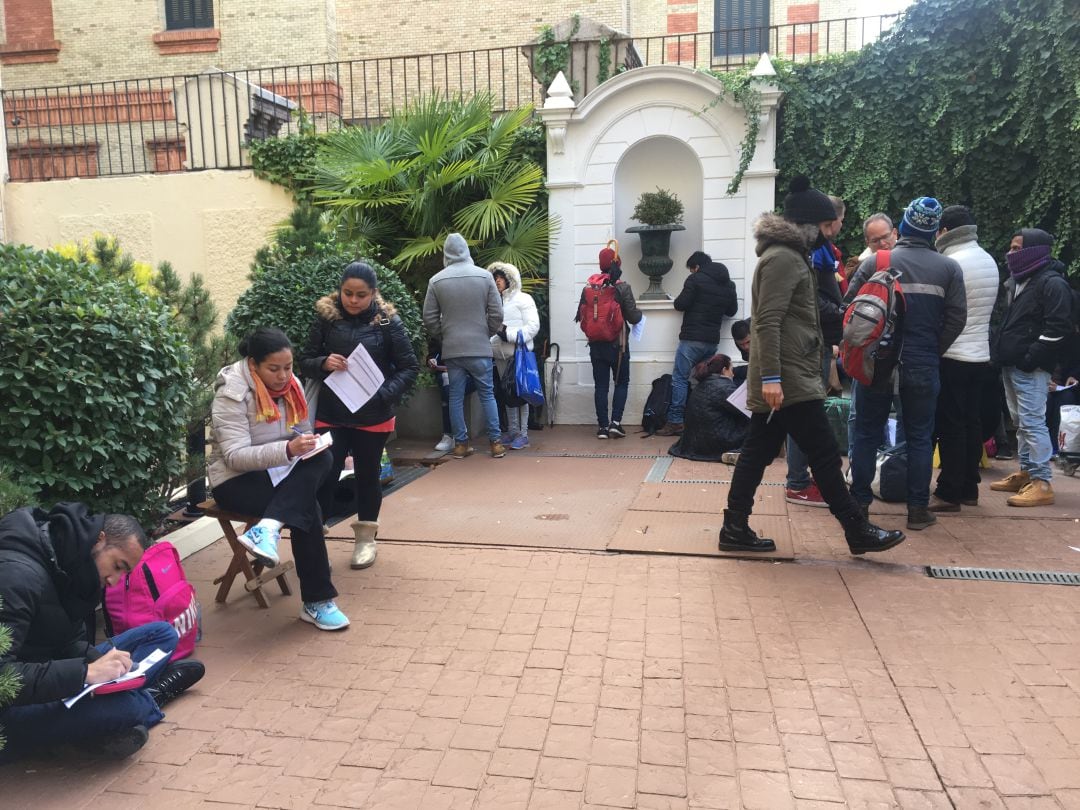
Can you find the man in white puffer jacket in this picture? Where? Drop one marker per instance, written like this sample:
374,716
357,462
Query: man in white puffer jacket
519,317
964,365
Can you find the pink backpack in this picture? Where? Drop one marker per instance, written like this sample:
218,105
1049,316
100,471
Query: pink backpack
156,591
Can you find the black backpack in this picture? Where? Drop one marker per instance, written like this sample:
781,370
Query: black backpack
656,406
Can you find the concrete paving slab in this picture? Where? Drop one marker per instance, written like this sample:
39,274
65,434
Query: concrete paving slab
706,471
703,499
684,533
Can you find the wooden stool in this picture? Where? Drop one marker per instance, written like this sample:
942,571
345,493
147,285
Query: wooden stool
255,573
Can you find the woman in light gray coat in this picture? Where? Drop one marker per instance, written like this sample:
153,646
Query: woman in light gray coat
261,431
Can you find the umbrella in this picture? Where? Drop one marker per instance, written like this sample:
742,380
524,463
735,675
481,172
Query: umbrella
553,384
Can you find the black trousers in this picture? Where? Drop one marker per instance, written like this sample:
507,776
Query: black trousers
959,430
294,502
808,425
366,447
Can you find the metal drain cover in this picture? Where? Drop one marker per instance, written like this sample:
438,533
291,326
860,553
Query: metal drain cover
1004,575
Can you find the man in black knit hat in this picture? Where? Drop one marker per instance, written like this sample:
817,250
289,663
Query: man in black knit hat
785,391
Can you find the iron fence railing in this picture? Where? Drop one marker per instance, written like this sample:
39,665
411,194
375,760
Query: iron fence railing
206,120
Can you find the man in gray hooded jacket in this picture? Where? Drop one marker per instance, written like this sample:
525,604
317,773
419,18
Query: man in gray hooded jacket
463,309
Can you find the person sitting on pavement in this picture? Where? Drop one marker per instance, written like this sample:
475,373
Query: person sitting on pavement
1037,323
261,426
519,317
785,390
708,295
357,315
463,309
53,568
740,333
713,430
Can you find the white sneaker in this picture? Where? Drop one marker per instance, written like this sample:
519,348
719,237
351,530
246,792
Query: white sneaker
446,443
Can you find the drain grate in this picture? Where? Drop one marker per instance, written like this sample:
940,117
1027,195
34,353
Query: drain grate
1004,575
558,454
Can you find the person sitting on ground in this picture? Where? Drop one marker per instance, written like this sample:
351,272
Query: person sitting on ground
740,333
519,317
53,568
708,295
357,315
713,429
260,423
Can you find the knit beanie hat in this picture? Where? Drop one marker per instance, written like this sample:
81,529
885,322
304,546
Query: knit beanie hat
805,205
922,219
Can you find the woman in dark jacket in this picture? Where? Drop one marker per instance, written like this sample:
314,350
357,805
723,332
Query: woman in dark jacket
713,428
352,316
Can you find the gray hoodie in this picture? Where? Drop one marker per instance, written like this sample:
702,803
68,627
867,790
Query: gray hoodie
463,308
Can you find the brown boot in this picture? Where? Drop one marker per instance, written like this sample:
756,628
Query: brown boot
462,450
670,429
498,449
1012,483
1037,493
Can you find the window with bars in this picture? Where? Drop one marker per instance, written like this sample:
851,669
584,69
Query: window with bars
741,27
180,14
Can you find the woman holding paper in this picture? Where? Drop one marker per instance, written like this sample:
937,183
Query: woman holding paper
519,316
265,462
357,338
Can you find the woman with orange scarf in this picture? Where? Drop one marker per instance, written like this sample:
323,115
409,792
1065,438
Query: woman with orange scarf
261,429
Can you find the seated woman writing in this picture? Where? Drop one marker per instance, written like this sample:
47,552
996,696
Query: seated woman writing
261,426
712,428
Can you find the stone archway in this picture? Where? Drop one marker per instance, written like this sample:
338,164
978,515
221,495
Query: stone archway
648,127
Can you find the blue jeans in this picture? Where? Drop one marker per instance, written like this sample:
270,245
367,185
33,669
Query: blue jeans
1026,392
607,365
43,724
856,387
688,354
919,386
477,369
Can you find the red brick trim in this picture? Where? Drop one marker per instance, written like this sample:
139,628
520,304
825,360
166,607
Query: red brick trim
803,13
26,53
37,160
70,109
187,40
801,45
682,23
319,96
168,154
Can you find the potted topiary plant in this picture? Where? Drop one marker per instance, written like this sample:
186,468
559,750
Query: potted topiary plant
660,213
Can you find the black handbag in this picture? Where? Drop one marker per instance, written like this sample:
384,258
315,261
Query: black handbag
507,386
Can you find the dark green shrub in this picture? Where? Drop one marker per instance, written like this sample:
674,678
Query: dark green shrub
284,290
13,493
660,207
95,379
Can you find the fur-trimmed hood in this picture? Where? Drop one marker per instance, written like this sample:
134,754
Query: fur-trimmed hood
329,309
773,229
513,277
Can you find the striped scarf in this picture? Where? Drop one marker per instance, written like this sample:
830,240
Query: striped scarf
266,410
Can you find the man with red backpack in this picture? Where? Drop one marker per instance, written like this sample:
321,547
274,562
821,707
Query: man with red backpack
53,567
605,311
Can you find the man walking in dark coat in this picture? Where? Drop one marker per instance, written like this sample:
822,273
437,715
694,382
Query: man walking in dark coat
52,570
707,296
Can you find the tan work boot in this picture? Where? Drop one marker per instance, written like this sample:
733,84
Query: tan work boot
1037,493
462,450
363,555
1012,483
498,449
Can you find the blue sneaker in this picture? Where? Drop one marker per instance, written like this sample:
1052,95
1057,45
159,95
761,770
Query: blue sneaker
324,615
520,442
506,438
262,542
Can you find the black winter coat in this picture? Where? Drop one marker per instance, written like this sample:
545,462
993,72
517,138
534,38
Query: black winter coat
49,585
707,296
711,426
383,335
1037,322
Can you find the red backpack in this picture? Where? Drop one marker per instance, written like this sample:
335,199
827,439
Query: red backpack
872,339
156,591
600,314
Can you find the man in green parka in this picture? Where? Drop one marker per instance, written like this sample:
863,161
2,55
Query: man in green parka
785,391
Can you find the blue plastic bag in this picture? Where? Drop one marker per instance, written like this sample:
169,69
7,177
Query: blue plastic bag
526,374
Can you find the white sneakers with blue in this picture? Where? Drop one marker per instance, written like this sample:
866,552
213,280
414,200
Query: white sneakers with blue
324,615
262,542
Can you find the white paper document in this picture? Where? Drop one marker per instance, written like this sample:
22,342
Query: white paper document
1064,387
279,474
737,399
136,671
358,383
638,329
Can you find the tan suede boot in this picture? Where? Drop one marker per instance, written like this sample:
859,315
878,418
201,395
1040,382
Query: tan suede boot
1012,483
1037,493
364,551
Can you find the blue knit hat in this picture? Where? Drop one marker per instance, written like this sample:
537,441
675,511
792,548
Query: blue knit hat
922,218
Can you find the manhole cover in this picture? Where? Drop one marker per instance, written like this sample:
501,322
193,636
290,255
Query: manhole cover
553,517
1004,575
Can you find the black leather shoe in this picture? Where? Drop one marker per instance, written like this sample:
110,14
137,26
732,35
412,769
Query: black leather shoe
919,518
736,535
869,537
178,677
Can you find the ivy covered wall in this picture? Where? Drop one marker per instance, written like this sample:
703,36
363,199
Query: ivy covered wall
975,102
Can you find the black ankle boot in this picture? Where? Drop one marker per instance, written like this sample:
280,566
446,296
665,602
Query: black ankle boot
177,678
864,536
736,535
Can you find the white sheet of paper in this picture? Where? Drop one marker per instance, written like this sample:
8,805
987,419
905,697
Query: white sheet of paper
279,474
737,398
358,383
135,672
892,432
638,329
1064,387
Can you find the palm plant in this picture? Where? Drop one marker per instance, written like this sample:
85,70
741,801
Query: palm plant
442,165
